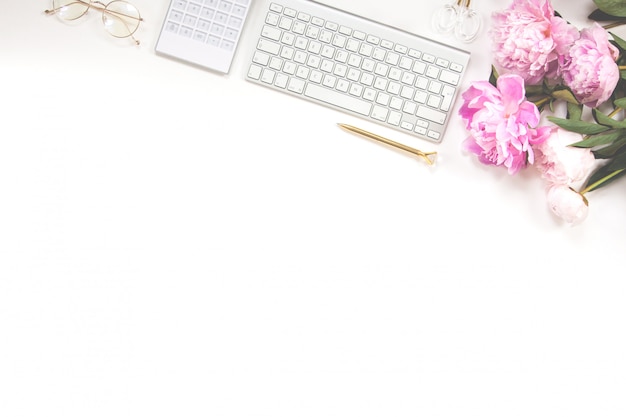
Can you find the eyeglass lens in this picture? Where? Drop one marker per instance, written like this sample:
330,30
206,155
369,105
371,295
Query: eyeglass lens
120,18
70,9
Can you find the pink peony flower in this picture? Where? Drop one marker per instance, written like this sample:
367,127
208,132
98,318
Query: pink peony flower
530,41
559,163
502,123
567,204
590,70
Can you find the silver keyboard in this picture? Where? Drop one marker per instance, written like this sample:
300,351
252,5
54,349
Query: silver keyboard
364,68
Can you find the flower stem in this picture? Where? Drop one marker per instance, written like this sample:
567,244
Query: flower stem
541,102
613,25
601,181
614,112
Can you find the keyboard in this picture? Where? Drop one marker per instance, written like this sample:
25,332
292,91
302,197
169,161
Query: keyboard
358,66
203,32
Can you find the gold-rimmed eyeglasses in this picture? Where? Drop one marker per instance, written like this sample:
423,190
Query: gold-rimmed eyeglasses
120,18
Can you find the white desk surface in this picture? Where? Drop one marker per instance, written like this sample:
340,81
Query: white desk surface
178,243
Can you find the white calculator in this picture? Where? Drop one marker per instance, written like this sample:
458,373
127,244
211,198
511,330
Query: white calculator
203,32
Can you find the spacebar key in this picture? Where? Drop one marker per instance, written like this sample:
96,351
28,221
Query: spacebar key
338,99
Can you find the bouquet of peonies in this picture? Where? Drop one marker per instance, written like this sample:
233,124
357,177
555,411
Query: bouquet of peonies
541,59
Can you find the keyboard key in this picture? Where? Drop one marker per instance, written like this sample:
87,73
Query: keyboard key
268,46
303,72
421,97
345,30
271,32
434,101
235,22
227,45
380,113
359,35
406,125
225,6
456,67
338,99
199,36
449,77
447,94
276,63
431,115
194,8
176,16
409,107
289,68
369,94
261,58
394,118
281,80
329,81
432,71
276,8
268,76
254,72
442,62
428,58
272,19
434,135
316,77
171,27
285,23
296,85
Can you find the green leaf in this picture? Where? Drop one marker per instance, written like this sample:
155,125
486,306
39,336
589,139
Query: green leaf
601,139
599,16
603,177
621,43
578,126
620,102
603,119
619,162
566,95
574,111
534,90
608,173
612,7
493,77
611,150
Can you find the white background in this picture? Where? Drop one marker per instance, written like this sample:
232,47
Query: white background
174,242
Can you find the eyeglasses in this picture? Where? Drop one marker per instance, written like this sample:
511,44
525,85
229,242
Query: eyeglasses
120,18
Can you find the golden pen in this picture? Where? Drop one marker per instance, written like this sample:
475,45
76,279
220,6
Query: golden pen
429,157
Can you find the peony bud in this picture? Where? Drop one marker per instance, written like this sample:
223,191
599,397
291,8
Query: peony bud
568,204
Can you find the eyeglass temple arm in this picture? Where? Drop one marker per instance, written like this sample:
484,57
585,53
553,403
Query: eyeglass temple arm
96,5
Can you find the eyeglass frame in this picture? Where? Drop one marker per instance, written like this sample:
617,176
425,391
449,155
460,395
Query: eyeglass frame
103,8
